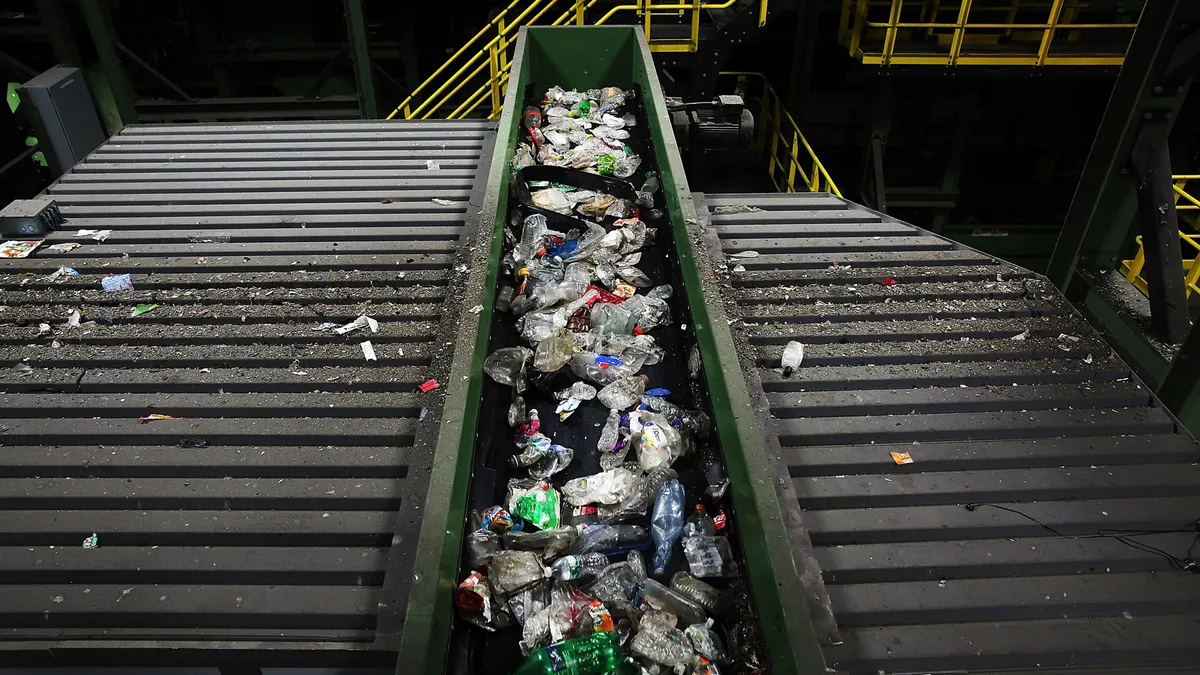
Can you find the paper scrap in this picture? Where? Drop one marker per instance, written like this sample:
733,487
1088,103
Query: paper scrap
477,309
142,309
92,541
368,350
744,254
1021,336
902,458
98,235
19,249
325,326
65,247
117,282
432,165
155,417
61,273
358,323
74,317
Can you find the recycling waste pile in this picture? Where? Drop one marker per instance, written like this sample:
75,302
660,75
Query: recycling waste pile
607,546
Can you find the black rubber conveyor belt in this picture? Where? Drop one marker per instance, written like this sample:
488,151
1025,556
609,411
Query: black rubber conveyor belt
277,516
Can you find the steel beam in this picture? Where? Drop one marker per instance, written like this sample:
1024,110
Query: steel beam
356,28
1160,232
99,22
1098,224
152,72
1180,389
58,30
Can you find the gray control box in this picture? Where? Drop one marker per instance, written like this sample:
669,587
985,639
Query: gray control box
63,116
30,218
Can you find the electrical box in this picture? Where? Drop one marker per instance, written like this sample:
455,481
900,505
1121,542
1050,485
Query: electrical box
63,116
30,218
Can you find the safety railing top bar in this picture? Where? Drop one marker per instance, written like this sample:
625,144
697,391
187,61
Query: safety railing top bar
1060,16
505,26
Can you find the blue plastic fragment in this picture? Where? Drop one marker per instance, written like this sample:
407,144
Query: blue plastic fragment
659,392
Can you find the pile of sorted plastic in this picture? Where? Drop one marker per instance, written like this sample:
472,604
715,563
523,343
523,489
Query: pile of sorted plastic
562,559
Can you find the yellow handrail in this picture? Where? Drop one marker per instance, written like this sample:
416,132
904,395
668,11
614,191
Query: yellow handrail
1132,269
493,54
773,125
856,22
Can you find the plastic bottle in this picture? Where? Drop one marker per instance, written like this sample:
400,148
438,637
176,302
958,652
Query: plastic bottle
513,571
608,435
607,487
552,542
595,654
703,555
571,567
610,538
504,298
616,583
657,442
697,591
793,354
507,365
532,233
667,523
658,596
658,640
655,480
554,352
699,523
624,393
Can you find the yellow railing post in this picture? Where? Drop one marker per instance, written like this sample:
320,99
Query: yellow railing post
579,7
960,30
860,17
889,40
695,25
791,183
762,13
494,82
1048,36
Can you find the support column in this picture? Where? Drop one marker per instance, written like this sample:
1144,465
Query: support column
356,28
99,22
1160,233
1097,227
954,163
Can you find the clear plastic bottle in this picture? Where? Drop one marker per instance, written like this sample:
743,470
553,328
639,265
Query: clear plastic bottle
532,233
657,442
610,538
554,352
595,654
703,555
697,591
552,542
607,487
616,583
655,480
571,567
667,523
514,571
793,354
624,393
699,523
658,640
658,596
608,435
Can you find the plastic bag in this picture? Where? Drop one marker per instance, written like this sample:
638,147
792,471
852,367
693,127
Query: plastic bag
552,199
608,487
507,365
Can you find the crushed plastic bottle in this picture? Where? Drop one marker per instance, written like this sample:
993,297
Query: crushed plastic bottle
535,502
608,436
654,595
667,523
572,567
513,571
552,542
705,641
657,442
554,352
507,365
793,354
658,640
624,393
608,487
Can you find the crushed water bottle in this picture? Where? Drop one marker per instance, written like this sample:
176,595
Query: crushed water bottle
507,365
608,487
657,442
793,354
657,596
572,567
658,640
697,591
667,523
623,393
610,538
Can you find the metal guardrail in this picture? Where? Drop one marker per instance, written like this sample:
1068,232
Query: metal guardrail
1004,33
1184,202
494,53
791,161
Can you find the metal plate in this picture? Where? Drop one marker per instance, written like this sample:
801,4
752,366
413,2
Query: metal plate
290,534
1005,398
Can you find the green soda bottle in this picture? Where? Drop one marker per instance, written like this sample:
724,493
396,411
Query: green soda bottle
595,654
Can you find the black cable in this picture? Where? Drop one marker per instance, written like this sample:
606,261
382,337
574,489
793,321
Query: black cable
1186,564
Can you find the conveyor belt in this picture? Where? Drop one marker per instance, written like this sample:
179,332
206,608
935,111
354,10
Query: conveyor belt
292,529
1005,398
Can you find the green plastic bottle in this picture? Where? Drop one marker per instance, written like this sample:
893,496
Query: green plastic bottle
595,654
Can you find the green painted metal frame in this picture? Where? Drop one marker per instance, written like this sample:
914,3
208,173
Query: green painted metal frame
360,53
591,57
99,21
